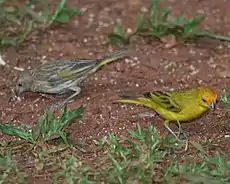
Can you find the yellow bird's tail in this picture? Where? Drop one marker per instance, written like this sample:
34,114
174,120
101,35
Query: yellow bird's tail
113,57
139,101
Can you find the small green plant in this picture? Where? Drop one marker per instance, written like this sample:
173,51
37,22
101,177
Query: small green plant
9,172
138,158
118,36
73,171
142,157
210,169
225,99
19,19
145,157
160,22
48,128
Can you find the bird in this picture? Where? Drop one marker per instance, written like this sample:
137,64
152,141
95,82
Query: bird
62,76
180,105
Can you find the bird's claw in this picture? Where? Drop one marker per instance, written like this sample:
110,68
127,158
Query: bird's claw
59,105
182,135
186,133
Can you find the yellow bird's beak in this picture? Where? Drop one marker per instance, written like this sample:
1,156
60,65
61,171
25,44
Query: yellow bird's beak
212,106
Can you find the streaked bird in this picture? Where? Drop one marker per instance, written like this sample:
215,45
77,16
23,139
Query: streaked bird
62,76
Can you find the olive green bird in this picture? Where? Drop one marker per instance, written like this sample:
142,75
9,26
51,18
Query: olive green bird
180,105
62,76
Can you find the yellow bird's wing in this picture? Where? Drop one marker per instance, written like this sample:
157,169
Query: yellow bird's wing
185,97
165,100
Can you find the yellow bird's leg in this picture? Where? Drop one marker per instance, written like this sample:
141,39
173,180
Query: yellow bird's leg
166,123
179,128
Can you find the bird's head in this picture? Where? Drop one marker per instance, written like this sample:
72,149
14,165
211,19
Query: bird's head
208,98
23,83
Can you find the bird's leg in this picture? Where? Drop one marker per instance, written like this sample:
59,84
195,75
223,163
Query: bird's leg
166,123
76,89
179,129
182,131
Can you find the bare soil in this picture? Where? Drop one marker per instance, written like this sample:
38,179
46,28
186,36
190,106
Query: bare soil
151,67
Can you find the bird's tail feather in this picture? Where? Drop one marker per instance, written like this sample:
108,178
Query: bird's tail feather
117,55
139,101
129,101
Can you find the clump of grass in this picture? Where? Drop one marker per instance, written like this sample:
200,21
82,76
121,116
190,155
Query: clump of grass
9,172
73,170
160,22
225,99
139,158
145,157
48,127
208,169
142,157
18,19
37,139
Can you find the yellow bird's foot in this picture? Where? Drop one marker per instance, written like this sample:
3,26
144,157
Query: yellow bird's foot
172,132
183,141
180,136
184,133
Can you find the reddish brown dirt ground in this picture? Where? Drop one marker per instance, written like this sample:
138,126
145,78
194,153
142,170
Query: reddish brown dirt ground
150,67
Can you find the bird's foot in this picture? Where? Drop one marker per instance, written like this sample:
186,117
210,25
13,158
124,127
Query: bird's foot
74,92
189,133
62,104
59,105
183,134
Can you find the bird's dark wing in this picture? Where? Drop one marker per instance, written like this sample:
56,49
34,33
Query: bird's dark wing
58,72
164,99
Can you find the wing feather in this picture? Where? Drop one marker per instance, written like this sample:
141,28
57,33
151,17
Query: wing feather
61,71
164,100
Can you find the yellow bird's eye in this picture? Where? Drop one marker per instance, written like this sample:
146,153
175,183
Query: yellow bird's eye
204,100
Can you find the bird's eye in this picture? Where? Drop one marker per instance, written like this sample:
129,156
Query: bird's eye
20,85
204,100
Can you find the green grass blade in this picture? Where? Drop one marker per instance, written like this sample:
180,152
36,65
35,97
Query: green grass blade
57,11
154,9
193,24
204,33
11,130
140,23
65,15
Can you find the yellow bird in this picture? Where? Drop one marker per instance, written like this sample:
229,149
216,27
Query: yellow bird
179,105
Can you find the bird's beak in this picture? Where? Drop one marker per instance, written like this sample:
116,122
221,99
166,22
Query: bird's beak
212,106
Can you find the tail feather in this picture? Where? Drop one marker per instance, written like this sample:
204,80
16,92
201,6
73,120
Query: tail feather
129,101
115,56
139,101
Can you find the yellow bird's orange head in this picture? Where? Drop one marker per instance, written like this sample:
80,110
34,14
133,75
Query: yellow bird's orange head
208,97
